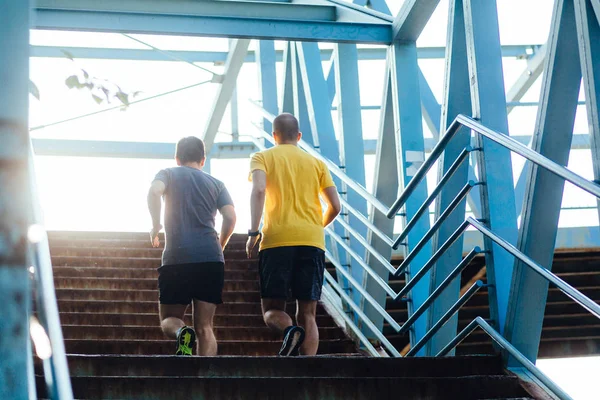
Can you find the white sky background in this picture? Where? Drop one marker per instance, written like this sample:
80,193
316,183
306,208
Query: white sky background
81,193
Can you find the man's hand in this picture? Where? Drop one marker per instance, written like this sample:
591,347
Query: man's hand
154,236
251,246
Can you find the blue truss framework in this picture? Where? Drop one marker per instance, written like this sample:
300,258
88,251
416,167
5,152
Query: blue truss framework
474,85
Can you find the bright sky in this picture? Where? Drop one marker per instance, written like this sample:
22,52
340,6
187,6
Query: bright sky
80,193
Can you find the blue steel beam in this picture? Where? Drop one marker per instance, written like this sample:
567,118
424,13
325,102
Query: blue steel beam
221,19
411,153
287,83
412,18
267,78
385,188
351,145
15,201
457,100
494,161
364,53
588,29
539,220
238,51
299,100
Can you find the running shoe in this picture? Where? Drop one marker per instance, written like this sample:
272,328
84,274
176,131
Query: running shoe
186,341
292,340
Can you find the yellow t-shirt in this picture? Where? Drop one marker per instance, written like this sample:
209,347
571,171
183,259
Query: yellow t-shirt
293,212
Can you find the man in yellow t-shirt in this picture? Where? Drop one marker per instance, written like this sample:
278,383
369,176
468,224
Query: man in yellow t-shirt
286,184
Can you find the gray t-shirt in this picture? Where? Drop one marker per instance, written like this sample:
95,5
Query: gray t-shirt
192,198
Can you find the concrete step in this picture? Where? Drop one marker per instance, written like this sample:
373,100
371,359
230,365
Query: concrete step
244,273
138,284
149,307
152,319
109,365
243,333
167,347
144,295
130,262
292,388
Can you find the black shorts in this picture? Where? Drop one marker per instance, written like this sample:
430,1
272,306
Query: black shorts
179,284
291,272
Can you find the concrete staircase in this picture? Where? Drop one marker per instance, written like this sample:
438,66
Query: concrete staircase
106,289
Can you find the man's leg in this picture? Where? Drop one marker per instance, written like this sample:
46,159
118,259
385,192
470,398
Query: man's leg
306,317
203,324
275,316
171,318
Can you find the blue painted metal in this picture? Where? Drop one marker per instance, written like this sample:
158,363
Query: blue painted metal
364,53
287,88
544,190
411,153
385,188
15,200
352,153
299,101
412,18
588,29
457,100
494,163
267,78
175,18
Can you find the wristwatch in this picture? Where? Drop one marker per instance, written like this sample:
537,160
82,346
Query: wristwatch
253,234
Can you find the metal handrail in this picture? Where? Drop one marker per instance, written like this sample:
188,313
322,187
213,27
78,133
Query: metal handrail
564,287
362,315
445,318
487,328
56,369
500,138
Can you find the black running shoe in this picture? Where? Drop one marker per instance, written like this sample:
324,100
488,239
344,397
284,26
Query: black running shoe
186,341
292,340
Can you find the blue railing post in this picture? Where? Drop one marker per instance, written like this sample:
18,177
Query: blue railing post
494,162
457,100
15,200
544,190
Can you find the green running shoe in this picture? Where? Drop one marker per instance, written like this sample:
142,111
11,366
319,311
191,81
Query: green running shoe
186,341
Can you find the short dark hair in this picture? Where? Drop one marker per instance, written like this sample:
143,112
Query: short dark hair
286,125
190,149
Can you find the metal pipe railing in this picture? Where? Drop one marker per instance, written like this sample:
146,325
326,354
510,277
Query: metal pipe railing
56,369
366,222
362,315
487,328
567,289
395,325
445,318
362,263
425,207
349,322
367,246
453,274
503,140
436,256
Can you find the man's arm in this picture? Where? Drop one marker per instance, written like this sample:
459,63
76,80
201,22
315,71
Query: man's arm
331,197
257,204
157,189
229,218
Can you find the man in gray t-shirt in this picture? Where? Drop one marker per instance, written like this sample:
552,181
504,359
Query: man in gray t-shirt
192,262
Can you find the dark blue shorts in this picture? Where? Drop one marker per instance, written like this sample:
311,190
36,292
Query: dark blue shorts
291,272
179,284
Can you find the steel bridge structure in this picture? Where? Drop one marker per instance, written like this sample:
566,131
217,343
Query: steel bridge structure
513,222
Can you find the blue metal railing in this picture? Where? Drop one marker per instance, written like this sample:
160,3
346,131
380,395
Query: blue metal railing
392,212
